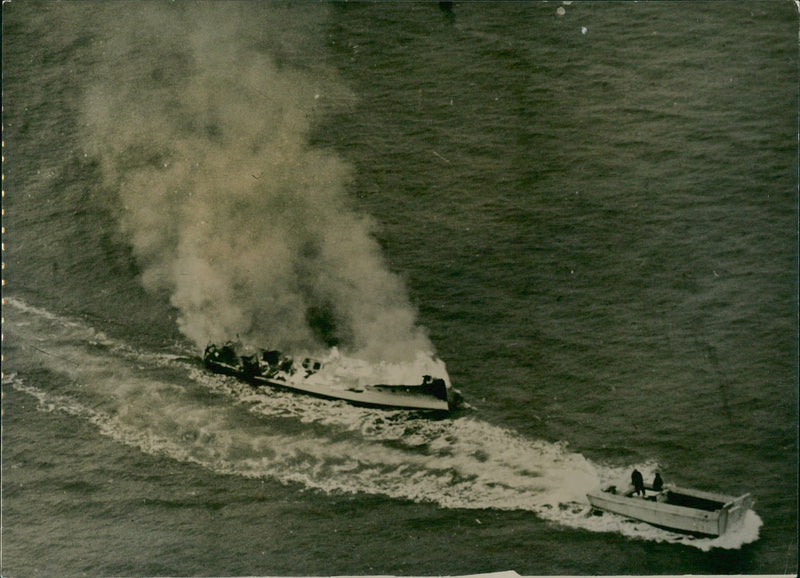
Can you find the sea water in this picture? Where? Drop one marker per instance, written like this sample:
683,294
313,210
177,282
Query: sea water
588,211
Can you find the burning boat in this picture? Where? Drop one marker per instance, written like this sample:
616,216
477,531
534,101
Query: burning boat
420,385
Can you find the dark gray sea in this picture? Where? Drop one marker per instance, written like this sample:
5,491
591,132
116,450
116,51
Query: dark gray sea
587,210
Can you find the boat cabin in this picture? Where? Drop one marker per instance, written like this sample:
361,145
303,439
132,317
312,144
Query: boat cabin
311,365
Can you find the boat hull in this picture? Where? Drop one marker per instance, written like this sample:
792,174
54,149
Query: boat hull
425,396
691,511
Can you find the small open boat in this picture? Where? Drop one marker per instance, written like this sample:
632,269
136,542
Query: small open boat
421,385
681,509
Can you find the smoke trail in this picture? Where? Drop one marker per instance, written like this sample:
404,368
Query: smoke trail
201,117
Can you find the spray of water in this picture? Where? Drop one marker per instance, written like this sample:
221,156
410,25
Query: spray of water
202,126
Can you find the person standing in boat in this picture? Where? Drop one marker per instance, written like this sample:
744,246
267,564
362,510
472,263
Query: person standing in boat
638,482
658,483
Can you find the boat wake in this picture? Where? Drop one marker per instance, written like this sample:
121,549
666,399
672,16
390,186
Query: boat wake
166,404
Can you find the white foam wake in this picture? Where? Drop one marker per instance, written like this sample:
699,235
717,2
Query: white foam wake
153,401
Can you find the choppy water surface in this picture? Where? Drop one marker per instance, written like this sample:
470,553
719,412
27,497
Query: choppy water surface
587,210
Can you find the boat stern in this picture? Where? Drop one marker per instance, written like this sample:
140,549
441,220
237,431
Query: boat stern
732,514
